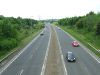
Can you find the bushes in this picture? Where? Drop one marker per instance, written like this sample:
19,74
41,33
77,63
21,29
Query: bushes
84,24
98,29
7,44
88,26
13,30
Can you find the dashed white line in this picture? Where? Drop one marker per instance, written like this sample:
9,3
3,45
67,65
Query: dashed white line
15,57
46,55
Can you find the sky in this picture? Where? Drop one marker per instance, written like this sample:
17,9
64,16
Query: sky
47,9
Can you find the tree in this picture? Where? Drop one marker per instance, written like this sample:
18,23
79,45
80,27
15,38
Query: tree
98,29
13,30
90,13
62,21
9,31
80,24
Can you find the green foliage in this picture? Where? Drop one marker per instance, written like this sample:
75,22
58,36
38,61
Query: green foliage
84,24
9,31
87,23
90,13
1,17
7,44
68,21
13,30
85,39
87,26
80,24
40,25
98,29
62,22
72,21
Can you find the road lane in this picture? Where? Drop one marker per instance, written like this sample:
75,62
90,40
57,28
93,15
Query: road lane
31,60
85,64
54,61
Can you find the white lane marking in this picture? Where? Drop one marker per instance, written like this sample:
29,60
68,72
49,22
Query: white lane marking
91,53
86,49
21,72
62,57
93,47
15,57
46,55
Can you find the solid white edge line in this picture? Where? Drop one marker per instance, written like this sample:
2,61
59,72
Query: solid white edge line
46,55
16,56
62,57
93,47
21,72
85,48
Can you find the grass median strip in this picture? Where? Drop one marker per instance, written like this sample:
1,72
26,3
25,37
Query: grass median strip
54,66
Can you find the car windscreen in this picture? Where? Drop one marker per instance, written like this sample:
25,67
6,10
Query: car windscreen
71,56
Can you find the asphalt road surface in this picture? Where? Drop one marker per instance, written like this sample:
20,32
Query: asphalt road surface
54,63
30,61
85,64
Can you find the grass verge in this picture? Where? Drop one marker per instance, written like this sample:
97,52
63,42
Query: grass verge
22,44
86,41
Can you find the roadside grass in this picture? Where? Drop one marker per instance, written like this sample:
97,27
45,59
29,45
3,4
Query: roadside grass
22,44
85,39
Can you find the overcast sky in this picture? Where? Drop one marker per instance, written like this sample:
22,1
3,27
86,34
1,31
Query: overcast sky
47,9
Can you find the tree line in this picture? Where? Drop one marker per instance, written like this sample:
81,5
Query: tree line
13,30
84,24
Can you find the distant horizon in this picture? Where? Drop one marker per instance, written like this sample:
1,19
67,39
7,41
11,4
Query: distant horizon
49,18
47,9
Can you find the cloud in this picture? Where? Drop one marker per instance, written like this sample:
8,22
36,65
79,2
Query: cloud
45,9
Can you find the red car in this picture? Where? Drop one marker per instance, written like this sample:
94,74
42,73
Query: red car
75,43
